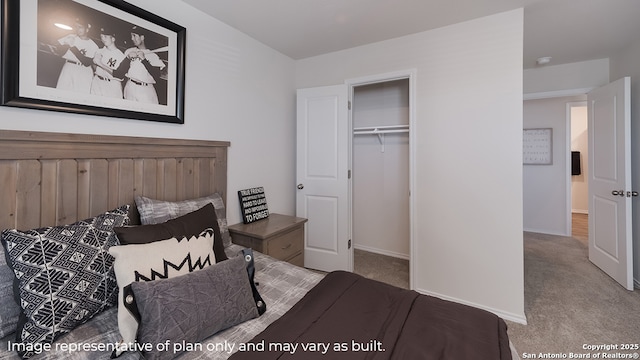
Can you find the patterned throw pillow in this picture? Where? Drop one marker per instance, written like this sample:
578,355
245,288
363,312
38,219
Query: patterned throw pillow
157,260
157,211
65,275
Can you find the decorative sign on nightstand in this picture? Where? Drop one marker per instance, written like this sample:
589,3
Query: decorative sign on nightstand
536,146
253,204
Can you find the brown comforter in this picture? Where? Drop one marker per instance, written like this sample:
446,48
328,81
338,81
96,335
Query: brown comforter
347,316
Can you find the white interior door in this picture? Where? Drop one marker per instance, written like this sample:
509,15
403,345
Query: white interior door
610,237
322,175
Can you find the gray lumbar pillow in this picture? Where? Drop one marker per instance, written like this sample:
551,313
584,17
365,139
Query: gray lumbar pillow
192,307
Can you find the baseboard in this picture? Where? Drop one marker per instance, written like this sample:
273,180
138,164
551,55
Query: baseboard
520,319
381,251
636,283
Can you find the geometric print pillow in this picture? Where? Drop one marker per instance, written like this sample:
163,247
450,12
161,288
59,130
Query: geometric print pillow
64,274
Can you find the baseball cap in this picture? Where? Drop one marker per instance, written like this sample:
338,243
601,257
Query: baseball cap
139,30
108,30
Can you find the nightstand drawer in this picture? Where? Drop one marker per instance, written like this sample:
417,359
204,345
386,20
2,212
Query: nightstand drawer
286,245
297,260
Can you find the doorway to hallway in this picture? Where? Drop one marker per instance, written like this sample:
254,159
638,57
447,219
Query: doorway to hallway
579,168
580,227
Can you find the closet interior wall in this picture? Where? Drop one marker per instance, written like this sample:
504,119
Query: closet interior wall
380,166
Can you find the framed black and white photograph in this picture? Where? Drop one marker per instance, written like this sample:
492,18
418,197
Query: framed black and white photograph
96,57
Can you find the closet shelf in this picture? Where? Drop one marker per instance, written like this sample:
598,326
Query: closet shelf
380,131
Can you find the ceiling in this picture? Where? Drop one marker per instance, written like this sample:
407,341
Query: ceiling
567,30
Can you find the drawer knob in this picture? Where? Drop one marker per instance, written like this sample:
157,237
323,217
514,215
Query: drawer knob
286,246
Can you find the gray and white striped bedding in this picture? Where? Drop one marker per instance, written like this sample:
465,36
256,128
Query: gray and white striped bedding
280,284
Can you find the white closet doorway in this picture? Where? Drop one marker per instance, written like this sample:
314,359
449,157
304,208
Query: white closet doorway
381,159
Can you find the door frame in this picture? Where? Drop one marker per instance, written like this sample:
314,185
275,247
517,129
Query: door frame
411,75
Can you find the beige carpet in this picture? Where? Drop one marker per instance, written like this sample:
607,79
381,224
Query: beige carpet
570,303
383,268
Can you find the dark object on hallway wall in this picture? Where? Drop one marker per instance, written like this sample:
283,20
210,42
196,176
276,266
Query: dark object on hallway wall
575,163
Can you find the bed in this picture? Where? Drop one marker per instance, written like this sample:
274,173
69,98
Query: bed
53,179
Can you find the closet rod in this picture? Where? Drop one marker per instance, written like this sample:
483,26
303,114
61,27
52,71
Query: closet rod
380,131
376,132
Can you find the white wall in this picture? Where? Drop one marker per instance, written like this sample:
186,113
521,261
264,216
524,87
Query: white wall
468,228
580,142
624,64
381,178
545,186
563,80
237,90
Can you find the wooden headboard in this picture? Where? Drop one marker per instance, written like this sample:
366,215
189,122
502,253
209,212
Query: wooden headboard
51,179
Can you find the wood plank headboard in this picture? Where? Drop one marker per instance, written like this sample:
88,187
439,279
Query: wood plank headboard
51,179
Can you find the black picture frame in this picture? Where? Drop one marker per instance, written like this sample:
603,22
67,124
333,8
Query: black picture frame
32,61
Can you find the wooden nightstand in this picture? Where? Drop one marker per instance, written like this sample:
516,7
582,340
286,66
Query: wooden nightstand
279,236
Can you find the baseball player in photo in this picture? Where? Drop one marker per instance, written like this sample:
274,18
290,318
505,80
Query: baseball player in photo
77,71
144,67
107,59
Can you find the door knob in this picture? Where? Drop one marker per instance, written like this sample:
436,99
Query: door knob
300,186
632,193
617,193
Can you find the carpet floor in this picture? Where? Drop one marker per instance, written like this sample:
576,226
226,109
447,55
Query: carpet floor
383,268
570,303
